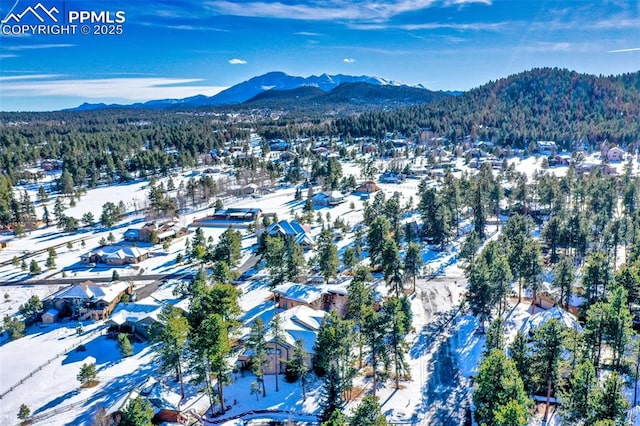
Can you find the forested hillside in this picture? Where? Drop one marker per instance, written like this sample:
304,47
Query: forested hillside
541,104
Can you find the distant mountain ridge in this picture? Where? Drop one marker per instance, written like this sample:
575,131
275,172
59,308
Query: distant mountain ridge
248,89
345,95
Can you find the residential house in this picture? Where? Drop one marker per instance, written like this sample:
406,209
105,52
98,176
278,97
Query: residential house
418,171
116,255
316,295
561,160
50,316
367,187
162,232
332,198
32,173
335,297
300,233
88,300
238,214
392,177
300,323
543,317
249,189
615,154
369,148
279,145
290,295
49,164
546,148
586,168
134,318
321,150
288,156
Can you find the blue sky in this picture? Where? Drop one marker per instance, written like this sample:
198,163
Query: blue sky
174,49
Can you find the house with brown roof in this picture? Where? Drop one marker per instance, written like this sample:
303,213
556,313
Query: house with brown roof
367,187
615,154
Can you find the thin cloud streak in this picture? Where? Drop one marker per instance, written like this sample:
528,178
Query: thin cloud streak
29,77
465,2
476,26
237,61
321,11
39,46
349,60
631,49
131,89
184,27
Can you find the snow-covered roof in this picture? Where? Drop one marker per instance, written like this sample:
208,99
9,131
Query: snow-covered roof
53,312
89,290
543,317
134,312
118,252
301,322
299,292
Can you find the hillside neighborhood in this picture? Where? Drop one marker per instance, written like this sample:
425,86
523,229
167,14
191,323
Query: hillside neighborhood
385,273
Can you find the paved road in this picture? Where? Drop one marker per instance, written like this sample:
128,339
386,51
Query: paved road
54,281
248,264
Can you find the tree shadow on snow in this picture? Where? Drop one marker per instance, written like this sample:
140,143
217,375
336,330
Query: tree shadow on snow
112,392
444,395
56,401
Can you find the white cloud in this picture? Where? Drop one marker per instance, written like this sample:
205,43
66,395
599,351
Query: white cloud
184,27
631,49
236,61
39,46
463,2
29,77
560,47
348,60
129,89
321,10
472,26
308,34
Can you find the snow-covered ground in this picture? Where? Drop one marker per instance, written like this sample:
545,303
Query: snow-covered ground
444,349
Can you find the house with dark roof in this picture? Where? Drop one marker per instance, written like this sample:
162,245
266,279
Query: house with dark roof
391,177
293,229
300,323
328,198
237,214
162,231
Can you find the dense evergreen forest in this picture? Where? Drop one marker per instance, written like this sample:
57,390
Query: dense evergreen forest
541,104
109,144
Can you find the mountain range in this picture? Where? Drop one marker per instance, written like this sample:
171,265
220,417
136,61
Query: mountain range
279,84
